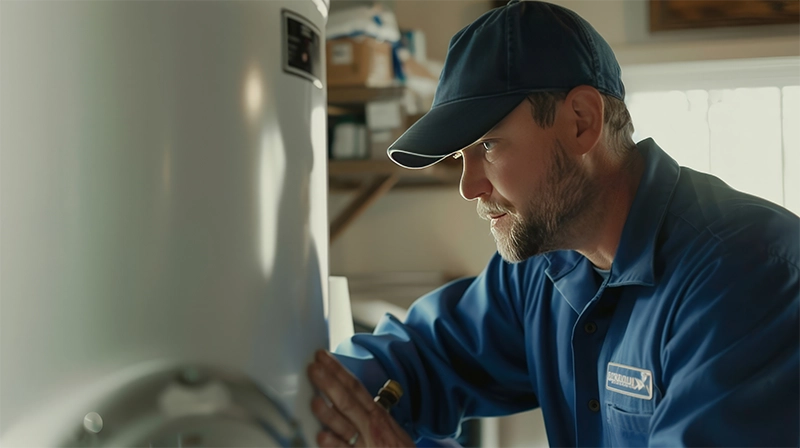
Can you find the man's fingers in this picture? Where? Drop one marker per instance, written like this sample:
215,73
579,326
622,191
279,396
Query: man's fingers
350,413
347,380
342,397
327,439
331,418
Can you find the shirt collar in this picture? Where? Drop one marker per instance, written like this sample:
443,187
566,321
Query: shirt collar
633,262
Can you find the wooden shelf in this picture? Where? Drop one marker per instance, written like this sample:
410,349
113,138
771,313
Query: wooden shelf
360,95
371,179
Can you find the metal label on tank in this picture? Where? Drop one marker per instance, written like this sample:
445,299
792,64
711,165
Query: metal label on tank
302,48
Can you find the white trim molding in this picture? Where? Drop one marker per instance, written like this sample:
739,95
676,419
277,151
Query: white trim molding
706,75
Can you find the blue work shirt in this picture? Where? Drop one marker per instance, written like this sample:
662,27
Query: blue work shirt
692,339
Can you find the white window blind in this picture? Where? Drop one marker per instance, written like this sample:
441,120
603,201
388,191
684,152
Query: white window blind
746,131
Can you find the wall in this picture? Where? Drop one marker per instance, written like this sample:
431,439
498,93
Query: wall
625,25
439,19
438,230
432,230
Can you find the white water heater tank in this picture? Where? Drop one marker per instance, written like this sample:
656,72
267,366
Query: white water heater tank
164,242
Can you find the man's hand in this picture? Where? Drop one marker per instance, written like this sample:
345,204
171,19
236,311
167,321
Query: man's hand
352,418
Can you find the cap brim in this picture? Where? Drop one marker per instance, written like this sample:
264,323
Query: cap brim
450,127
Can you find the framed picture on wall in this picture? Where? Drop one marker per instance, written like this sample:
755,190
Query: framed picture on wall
693,14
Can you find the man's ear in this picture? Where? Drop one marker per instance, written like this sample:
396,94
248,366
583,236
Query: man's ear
582,117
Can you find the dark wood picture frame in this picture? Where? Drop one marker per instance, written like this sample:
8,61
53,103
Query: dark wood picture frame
693,14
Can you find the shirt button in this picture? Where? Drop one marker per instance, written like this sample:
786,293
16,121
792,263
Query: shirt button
590,327
594,405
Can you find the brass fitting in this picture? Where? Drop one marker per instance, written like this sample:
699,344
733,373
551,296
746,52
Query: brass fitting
389,394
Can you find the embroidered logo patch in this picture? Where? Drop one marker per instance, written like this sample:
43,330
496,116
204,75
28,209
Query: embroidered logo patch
628,380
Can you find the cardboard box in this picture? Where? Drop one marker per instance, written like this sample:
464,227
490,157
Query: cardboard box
359,62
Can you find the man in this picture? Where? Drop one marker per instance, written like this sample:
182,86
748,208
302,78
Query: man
635,301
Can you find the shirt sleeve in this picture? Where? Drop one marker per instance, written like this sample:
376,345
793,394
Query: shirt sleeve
730,359
460,353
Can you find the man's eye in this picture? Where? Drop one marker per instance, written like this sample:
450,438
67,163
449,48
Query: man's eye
488,145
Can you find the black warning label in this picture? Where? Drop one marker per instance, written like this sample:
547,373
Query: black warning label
302,48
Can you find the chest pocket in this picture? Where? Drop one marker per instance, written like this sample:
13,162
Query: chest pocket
630,401
627,428
630,398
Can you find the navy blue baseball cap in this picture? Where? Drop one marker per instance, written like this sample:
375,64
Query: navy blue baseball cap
494,63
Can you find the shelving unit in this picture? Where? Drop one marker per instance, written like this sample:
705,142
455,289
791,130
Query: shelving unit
360,95
370,179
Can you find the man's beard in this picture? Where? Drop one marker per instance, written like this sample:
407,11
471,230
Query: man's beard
550,218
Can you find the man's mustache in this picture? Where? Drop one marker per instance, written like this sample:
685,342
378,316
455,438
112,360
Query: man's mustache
486,210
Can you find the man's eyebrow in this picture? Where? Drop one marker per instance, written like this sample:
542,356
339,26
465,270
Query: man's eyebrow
495,128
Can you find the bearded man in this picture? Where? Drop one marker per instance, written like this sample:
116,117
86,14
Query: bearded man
636,302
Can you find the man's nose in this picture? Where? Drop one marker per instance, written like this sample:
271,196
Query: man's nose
474,183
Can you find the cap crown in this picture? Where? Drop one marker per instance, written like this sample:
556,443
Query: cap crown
494,63
527,46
